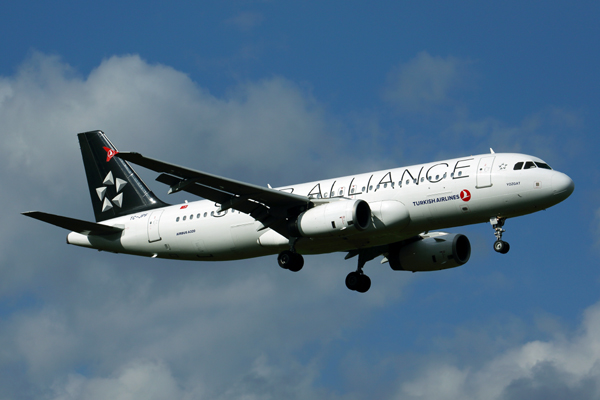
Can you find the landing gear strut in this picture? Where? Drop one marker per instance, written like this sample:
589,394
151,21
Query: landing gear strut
499,245
289,259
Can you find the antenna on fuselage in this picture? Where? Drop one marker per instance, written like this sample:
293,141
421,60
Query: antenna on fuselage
492,151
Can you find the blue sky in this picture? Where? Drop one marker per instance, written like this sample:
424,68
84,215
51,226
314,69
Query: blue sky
279,93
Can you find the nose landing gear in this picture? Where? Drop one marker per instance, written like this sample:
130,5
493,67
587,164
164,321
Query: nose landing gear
499,245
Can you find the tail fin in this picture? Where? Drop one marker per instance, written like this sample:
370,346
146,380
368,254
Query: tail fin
115,188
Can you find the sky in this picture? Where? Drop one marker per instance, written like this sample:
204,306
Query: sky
279,92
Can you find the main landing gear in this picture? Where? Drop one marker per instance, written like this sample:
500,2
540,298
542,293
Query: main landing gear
289,259
499,245
357,280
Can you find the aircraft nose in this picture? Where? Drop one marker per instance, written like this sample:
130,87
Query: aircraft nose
562,185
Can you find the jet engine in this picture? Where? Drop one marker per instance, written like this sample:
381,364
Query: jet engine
337,218
432,252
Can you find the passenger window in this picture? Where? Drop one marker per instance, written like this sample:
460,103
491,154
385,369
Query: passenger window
542,165
198,216
363,189
370,187
212,214
184,217
192,216
177,220
529,164
518,166
205,214
422,179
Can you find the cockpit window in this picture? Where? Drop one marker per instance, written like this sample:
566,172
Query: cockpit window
529,164
542,165
518,165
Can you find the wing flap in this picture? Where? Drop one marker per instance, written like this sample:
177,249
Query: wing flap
72,224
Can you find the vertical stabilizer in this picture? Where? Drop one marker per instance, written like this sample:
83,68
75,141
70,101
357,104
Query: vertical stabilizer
115,188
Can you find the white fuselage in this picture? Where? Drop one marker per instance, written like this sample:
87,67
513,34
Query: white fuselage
435,195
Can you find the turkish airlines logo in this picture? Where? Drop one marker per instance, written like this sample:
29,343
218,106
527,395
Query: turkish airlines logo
110,153
465,195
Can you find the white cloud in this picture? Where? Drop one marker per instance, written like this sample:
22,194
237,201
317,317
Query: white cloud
69,309
245,21
138,380
83,324
424,82
263,125
542,132
558,368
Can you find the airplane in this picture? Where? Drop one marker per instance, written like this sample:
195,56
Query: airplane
392,213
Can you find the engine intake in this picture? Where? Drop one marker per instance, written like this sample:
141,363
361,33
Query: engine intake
338,218
434,252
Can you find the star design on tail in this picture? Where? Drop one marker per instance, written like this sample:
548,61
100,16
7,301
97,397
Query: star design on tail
119,184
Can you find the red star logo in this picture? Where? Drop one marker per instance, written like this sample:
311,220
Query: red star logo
465,195
110,153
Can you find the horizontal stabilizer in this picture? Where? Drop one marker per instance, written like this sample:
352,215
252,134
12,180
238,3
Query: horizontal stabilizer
72,224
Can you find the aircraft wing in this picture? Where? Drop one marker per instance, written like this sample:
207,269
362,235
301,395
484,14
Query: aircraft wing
269,206
72,224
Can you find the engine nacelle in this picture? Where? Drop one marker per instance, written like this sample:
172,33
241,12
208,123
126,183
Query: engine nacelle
390,214
338,218
434,252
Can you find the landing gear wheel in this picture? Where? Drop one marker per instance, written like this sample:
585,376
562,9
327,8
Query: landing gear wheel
289,260
501,246
358,282
364,284
297,263
352,280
